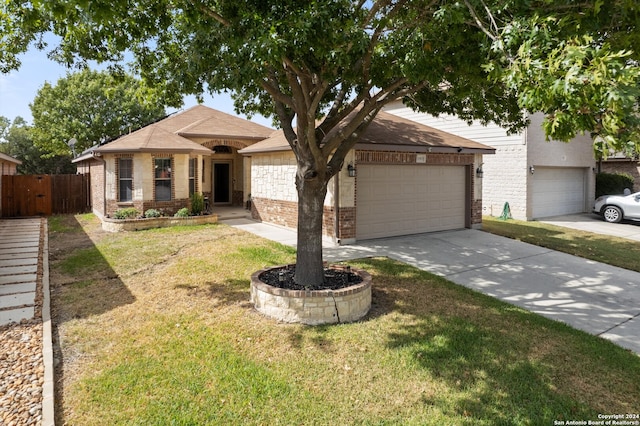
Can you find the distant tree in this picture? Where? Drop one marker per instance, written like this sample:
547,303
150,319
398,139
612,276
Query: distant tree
91,107
18,143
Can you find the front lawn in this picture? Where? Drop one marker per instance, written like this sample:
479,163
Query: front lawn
155,327
614,251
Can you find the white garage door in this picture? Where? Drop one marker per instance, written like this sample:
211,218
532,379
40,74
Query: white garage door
402,200
558,191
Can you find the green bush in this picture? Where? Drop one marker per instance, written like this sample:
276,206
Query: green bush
183,212
152,213
197,204
612,183
127,213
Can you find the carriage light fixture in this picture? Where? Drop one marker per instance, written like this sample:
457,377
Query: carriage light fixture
351,170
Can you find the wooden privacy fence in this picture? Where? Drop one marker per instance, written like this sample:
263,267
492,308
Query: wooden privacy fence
44,195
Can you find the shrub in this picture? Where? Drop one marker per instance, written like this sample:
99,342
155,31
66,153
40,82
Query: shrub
197,203
612,183
127,213
152,213
183,212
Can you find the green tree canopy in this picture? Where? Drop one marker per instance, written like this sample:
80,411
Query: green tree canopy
577,62
324,69
91,106
17,142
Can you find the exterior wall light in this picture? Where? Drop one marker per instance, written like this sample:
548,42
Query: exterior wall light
532,169
351,170
479,172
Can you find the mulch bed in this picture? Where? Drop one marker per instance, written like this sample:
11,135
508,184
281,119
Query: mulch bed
334,278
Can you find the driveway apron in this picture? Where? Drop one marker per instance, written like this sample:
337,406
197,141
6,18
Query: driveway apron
19,246
600,299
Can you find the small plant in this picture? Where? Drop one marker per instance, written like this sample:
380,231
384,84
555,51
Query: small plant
183,212
152,213
127,213
197,204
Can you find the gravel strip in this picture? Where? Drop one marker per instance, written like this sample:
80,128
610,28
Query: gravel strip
22,366
21,374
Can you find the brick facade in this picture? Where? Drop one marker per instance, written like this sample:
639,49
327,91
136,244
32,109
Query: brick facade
631,167
274,199
95,168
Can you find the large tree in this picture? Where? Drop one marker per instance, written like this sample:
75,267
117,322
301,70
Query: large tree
16,140
323,69
91,106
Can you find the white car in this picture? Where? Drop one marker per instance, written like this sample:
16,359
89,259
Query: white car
614,208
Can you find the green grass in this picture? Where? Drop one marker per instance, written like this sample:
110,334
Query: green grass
177,342
615,251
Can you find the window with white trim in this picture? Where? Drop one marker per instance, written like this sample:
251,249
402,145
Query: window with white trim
162,180
193,170
125,179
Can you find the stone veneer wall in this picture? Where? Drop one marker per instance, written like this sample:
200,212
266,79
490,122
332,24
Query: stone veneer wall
313,307
118,225
284,212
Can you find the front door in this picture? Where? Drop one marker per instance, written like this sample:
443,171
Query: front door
222,183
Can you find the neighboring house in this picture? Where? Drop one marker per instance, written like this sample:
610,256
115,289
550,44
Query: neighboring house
537,178
623,164
162,164
8,166
409,178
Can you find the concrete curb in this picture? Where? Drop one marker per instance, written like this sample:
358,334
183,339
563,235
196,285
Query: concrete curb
48,397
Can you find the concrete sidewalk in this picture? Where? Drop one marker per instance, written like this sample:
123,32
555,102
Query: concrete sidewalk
600,299
19,248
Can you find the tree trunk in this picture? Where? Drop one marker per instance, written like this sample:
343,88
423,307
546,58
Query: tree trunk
311,195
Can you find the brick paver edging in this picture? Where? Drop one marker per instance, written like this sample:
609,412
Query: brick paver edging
48,396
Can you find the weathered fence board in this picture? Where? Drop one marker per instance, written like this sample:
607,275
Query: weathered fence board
43,195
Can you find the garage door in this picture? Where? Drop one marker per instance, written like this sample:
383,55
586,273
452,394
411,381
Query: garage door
402,200
558,191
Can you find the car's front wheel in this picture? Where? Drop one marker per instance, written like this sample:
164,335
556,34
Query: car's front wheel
612,214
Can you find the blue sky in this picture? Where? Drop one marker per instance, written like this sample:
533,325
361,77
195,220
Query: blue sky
19,88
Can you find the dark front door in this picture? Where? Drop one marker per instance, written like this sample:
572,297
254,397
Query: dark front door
222,183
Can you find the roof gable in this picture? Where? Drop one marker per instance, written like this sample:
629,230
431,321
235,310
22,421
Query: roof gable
202,121
152,139
8,158
389,132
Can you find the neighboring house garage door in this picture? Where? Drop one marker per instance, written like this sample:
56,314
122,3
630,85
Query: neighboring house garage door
558,191
401,200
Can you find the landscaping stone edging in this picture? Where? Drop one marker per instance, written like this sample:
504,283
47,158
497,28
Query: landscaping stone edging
118,225
312,307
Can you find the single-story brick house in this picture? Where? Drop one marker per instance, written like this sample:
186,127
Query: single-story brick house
409,178
537,178
162,164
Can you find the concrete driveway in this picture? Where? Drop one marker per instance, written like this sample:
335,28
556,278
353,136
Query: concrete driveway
600,299
593,223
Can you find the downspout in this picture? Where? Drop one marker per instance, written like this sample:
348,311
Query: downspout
336,208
